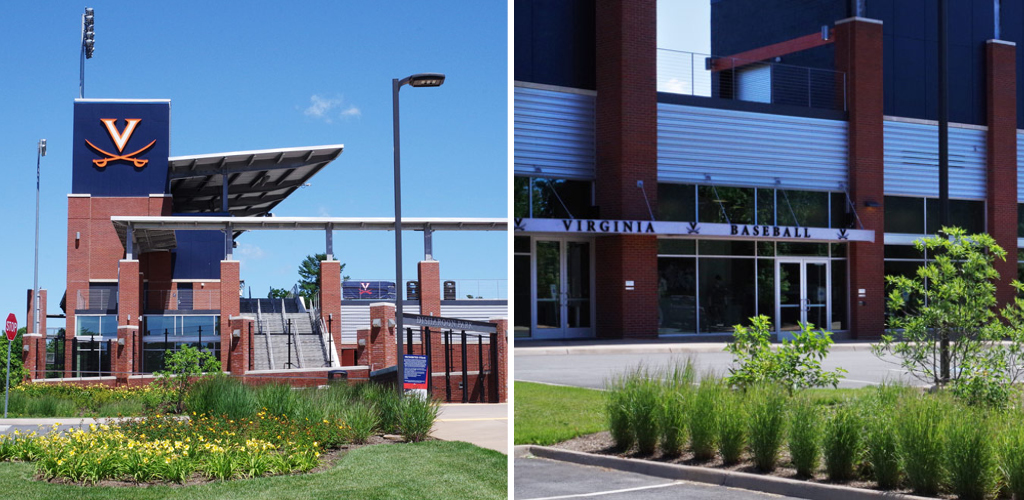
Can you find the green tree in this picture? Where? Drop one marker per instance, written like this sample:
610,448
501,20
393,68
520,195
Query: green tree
278,293
794,364
18,371
183,368
309,275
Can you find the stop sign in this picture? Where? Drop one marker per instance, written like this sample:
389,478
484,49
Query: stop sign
12,327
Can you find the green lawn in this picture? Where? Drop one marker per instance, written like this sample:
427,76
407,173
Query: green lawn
548,414
428,470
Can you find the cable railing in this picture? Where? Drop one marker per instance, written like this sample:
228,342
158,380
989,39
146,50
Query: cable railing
704,75
182,299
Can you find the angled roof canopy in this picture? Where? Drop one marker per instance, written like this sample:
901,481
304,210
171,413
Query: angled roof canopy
257,180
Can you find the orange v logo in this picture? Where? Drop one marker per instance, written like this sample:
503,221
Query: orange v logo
120,139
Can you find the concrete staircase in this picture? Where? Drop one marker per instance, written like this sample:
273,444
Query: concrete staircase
270,349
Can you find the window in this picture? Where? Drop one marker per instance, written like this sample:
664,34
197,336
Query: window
163,333
553,198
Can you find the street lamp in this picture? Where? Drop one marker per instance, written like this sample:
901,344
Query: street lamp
417,80
40,152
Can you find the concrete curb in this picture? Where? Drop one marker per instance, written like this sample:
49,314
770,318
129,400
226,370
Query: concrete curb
695,348
754,482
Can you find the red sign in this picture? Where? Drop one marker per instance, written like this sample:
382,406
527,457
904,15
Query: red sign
12,327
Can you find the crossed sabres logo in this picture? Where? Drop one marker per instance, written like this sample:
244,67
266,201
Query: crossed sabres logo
365,289
121,140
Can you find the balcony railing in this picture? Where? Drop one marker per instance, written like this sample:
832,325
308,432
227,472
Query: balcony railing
96,300
182,300
464,288
689,73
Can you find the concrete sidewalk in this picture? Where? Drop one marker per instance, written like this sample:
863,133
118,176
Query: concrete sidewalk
485,425
652,346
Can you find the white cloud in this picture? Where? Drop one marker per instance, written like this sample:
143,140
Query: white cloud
249,251
326,108
322,211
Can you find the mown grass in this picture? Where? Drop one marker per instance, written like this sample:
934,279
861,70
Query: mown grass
401,471
547,414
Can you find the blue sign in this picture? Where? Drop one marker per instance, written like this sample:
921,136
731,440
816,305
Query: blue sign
120,147
415,367
368,290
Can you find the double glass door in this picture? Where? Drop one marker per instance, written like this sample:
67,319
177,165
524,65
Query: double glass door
562,278
803,290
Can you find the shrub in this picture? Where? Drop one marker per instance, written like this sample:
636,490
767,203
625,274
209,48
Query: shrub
805,431
643,404
222,395
388,403
672,421
983,386
842,444
277,398
973,472
182,367
732,427
767,425
920,428
417,417
703,418
618,415
1011,457
882,450
360,421
121,409
796,363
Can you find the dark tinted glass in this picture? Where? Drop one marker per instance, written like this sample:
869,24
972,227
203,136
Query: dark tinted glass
904,215
766,207
808,249
725,247
726,293
802,208
734,205
522,244
966,214
676,202
677,295
522,197
561,199
902,252
676,247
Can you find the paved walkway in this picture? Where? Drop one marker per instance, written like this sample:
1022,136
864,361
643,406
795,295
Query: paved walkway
647,346
485,425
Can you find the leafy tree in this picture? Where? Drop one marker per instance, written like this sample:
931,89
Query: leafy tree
796,363
18,371
944,324
183,367
309,275
278,293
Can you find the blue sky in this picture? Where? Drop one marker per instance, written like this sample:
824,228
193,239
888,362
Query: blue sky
257,75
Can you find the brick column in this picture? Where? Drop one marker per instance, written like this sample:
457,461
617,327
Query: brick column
502,369
229,307
430,287
859,55
1001,107
330,301
627,152
363,351
129,308
238,352
33,353
382,343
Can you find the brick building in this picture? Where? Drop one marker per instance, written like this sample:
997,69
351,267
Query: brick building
666,193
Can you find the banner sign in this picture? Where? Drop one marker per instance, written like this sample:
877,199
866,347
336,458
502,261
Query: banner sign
376,290
120,147
448,323
693,230
415,368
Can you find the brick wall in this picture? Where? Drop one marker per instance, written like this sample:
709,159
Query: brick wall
34,359
229,307
1001,107
859,54
129,309
382,342
625,313
330,300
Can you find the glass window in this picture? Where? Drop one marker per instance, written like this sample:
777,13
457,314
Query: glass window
522,295
838,250
676,202
522,244
677,295
766,249
522,197
904,215
966,214
726,247
558,198
903,252
766,288
726,293
839,300
766,207
736,203
810,208
171,332
96,326
841,214
676,247
807,249
1020,220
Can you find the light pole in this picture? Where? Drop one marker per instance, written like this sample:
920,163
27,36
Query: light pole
40,152
88,45
417,80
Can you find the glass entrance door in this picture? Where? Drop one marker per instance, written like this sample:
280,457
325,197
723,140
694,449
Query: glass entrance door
562,306
803,291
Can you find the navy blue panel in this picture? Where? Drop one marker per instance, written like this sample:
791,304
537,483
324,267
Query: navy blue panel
908,19
354,290
120,177
888,67
198,255
982,18
523,41
884,11
909,77
961,109
558,44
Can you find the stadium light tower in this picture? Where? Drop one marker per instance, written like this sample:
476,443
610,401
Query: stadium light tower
40,152
417,80
88,45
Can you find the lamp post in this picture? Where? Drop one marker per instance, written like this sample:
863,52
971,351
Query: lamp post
40,152
88,45
417,80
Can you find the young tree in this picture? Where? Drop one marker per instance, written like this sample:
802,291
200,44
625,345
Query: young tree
278,293
183,367
309,275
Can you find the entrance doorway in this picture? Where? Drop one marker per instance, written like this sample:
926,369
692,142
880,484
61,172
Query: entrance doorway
563,286
803,294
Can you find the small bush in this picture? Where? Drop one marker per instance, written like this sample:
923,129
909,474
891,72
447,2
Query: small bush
732,427
643,413
222,395
388,402
50,406
672,422
121,409
618,415
417,417
881,446
920,428
973,473
360,421
805,431
767,425
985,388
703,421
278,399
842,444
1011,457
795,363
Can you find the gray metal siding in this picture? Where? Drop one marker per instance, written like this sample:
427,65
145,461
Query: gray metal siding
739,148
474,312
357,317
554,134
912,161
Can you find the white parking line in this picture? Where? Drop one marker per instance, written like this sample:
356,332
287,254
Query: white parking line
4,428
611,492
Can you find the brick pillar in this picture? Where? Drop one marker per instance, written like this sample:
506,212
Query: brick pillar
382,343
129,308
238,355
502,368
859,54
430,287
1001,107
363,351
627,152
330,301
34,343
229,307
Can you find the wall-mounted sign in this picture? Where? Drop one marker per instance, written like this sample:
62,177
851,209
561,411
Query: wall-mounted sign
448,323
120,147
692,229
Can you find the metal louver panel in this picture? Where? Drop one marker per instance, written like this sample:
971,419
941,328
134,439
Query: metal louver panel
554,134
912,161
357,317
475,312
740,148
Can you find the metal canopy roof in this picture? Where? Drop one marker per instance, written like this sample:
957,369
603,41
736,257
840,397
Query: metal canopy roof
156,233
257,180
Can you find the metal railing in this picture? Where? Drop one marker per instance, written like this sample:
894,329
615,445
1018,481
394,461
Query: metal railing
96,300
689,73
464,289
182,300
